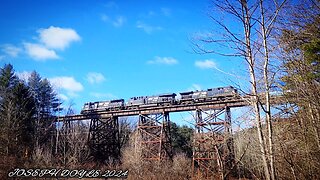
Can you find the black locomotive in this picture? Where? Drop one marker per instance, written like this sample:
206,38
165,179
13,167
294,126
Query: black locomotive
219,93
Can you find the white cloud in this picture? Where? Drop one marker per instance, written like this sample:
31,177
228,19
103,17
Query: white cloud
147,28
93,77
105,18
58,38
116,22
119,21
24,75
11,50
72,94
103,95
205,64
39,52
67,83
49,40
63,97
163,60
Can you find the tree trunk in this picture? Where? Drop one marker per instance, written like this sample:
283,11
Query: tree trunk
267,91
314,125
255,100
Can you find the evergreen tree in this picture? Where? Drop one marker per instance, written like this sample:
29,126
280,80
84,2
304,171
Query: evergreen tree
47,104
181,139
300,43
23,128
7,79
16,112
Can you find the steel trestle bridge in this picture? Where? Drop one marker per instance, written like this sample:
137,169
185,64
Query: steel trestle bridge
212,143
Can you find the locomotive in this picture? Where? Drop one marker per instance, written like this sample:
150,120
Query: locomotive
190,97
219,93
116,104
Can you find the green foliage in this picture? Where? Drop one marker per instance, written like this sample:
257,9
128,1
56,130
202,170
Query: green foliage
7,79
26,111
46,103
312,57
301,45
23,128
181,137
46,99
16,114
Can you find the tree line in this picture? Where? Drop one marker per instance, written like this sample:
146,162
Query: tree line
29,136
26,111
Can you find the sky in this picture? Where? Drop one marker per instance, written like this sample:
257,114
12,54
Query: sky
94,50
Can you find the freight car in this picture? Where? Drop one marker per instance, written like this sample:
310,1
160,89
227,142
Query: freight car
148,101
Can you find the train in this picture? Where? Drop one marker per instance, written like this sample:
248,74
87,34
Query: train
189,97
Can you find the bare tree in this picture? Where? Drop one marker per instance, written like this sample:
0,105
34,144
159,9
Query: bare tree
73,144
250,44
266,28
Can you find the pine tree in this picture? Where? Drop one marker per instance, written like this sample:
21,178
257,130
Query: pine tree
16,112
300,45
23,127
47,104
181,139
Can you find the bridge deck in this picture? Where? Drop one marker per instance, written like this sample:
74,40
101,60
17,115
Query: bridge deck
214,104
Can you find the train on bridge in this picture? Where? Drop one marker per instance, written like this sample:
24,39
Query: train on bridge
190,97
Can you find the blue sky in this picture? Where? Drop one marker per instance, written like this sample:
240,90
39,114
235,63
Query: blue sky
101,50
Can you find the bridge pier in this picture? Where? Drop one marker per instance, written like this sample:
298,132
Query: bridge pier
213,151
103,139
153,141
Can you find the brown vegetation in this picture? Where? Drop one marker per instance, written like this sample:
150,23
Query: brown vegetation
178,168
273,148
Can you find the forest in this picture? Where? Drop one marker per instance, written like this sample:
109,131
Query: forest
278,41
